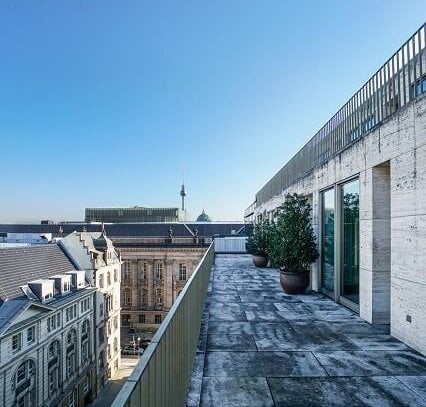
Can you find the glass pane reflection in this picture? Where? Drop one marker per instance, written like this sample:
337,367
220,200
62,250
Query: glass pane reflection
327,246
350,235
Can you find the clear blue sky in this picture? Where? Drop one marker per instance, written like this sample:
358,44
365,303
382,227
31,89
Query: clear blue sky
105,103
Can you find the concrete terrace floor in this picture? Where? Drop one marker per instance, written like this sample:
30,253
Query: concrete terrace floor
260,347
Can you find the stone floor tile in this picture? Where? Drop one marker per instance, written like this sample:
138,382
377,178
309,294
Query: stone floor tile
415,383
231,342
377,342
262,364
264,315
222,311
235,392
230,328
372,363
342,392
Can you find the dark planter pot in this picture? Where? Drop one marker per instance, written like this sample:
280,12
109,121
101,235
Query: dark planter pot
260,261
294,283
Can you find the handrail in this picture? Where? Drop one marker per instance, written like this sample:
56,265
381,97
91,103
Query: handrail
162,375
399,81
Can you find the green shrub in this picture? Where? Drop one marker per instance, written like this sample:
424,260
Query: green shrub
258,241
292,240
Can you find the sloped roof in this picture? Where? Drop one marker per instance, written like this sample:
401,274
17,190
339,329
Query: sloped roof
19,265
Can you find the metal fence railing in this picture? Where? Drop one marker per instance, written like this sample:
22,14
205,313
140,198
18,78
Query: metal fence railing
162,375
399,81
230,244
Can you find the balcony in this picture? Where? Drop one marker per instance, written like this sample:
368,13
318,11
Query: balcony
260,347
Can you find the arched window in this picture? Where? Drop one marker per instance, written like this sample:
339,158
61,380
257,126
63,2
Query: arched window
85,355
71,350
127,297
53,366
108,278
24,380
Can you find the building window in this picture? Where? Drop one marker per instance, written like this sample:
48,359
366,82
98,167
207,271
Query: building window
101,281
26,386
115,275
125,319
159,271
127,298
101,360
109,303
72,400
327,242
115,345
71,312
350,240
53,322
53,357
86,384
142,318
85,355
115,323
126,271
71,343
85,305
108,278
158,319
143,298
31,334
182,272
101,335
101,309
142,268
17,342
159,297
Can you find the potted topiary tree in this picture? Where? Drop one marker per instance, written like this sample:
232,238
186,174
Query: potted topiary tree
293,246
258,243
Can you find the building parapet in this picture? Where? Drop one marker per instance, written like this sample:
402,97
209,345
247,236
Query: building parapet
399,81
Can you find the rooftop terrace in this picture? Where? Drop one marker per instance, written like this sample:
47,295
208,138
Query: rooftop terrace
260,347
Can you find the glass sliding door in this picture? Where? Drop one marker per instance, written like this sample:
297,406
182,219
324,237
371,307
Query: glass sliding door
327,242
350,241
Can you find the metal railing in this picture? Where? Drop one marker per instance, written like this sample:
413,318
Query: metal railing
230,244
162,375
399,81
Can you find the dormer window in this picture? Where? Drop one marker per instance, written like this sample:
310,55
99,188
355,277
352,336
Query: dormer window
66,287
47,296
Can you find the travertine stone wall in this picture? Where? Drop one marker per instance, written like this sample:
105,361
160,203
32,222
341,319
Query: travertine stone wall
393,237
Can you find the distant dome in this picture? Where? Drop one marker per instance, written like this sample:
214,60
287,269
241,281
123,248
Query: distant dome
203,217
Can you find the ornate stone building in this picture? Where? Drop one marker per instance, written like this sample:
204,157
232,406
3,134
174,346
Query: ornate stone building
95,254
47,315
152,278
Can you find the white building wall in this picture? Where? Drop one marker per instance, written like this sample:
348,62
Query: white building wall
401,142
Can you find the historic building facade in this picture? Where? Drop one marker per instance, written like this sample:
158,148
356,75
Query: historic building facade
47,324
151,280
95,254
